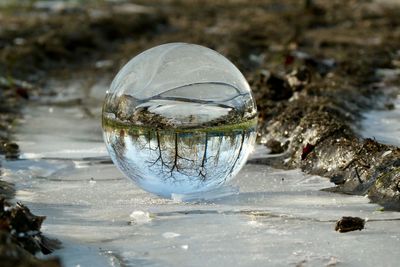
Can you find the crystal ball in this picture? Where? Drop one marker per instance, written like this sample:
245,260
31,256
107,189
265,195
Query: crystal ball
179,119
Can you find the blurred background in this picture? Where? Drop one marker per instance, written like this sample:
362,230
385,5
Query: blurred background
42,35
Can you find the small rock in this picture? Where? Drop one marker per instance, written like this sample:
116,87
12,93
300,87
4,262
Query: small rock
348,224
275,146
337,179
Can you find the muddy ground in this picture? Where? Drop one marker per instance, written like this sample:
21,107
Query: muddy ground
313,66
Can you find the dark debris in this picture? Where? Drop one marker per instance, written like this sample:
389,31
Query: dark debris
275,146
24,228
348,224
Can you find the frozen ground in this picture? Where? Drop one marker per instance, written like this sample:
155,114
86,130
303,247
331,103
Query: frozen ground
279,218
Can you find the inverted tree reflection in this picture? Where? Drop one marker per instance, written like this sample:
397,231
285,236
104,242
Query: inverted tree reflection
194,156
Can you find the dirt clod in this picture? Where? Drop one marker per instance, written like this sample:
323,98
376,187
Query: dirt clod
348,224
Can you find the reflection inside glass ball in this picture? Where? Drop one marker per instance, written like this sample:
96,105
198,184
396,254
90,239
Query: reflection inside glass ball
179,118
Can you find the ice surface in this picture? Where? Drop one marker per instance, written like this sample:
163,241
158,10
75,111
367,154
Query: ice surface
279,218
179,119
206,196
383,125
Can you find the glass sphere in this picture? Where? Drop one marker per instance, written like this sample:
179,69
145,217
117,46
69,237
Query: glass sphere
179,119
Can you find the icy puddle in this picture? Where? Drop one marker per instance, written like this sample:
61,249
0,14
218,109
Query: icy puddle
279,218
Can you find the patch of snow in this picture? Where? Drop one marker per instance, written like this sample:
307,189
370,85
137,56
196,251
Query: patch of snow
169,235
